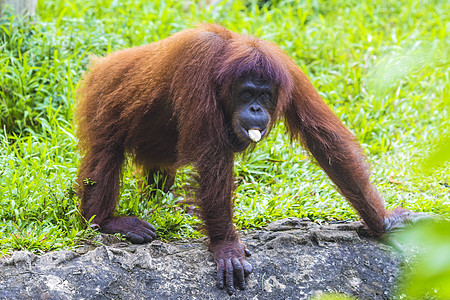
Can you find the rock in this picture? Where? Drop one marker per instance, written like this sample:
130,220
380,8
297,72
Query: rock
292,259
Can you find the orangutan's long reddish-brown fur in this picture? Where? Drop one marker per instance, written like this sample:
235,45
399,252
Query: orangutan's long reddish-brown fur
165,104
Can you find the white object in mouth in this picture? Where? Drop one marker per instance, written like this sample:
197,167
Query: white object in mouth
255,135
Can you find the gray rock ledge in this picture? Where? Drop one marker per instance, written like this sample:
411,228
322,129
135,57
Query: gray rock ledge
292,259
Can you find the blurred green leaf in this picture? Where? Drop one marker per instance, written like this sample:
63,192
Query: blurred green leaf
430,270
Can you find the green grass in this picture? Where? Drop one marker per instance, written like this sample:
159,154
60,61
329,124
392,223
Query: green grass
383,66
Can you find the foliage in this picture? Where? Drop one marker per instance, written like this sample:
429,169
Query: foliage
333,297
383,66
429,274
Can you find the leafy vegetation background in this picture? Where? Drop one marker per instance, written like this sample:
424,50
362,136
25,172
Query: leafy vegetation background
383,67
